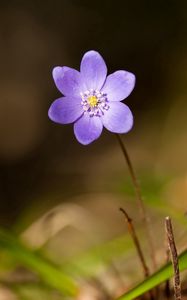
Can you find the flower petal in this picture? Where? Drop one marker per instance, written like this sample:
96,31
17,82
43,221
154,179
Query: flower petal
68,81
119,85
65,110
118,118
87,129
93,70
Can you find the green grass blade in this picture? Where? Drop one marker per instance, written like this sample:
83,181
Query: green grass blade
158,277
47,271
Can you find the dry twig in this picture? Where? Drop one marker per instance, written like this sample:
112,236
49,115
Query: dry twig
167,290
174,258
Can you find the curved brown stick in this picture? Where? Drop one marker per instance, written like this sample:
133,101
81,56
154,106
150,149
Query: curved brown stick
139,198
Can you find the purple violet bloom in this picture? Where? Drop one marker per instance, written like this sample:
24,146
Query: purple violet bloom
92,99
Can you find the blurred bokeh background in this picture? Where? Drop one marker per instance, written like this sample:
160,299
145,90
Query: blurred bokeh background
42,166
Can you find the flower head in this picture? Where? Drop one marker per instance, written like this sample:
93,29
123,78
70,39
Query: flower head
91,99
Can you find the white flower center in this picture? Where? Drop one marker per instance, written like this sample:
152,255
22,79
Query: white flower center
94,102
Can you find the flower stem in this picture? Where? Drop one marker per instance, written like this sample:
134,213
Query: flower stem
139,198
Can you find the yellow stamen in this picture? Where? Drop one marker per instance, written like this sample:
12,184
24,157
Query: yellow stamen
92,101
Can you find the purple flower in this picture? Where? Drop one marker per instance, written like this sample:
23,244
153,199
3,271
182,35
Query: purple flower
92,99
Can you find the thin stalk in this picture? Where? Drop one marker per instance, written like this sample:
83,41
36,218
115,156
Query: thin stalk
139,198
135,239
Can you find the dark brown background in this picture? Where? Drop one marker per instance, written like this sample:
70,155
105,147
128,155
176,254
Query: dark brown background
41,163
